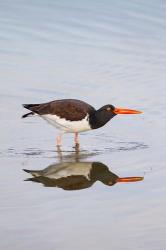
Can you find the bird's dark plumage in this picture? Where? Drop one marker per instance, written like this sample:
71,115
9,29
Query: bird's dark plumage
70,109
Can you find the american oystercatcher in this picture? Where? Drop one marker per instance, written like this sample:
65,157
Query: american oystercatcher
74,116
77,175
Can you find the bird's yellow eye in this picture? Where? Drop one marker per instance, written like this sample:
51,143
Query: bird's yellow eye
108,109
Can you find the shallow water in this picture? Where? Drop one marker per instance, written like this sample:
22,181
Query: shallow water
100,52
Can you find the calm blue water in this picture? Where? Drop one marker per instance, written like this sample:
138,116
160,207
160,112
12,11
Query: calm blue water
100,52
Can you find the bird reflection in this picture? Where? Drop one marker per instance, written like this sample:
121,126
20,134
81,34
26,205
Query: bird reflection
77,175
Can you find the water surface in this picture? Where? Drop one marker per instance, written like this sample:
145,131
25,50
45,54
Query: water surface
100,52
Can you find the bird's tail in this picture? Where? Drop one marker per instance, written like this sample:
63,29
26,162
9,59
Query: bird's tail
30,107
27,114
34,173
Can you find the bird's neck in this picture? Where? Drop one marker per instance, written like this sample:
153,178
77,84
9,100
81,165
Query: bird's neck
99,119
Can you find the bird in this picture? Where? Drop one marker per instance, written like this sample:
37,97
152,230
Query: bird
74,116
77,175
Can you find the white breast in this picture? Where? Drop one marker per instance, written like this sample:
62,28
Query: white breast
66,125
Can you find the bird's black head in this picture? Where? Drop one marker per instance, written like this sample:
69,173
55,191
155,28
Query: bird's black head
102,116
106,113
108,109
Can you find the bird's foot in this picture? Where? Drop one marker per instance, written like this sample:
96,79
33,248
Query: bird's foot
58,148
76,147
59,151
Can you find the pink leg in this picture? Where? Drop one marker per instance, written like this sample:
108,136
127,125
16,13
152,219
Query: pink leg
76,139
59,140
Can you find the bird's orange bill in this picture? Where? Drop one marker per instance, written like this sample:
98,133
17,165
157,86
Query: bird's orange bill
129,179
126,111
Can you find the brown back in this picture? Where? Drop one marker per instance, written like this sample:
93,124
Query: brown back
70,109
